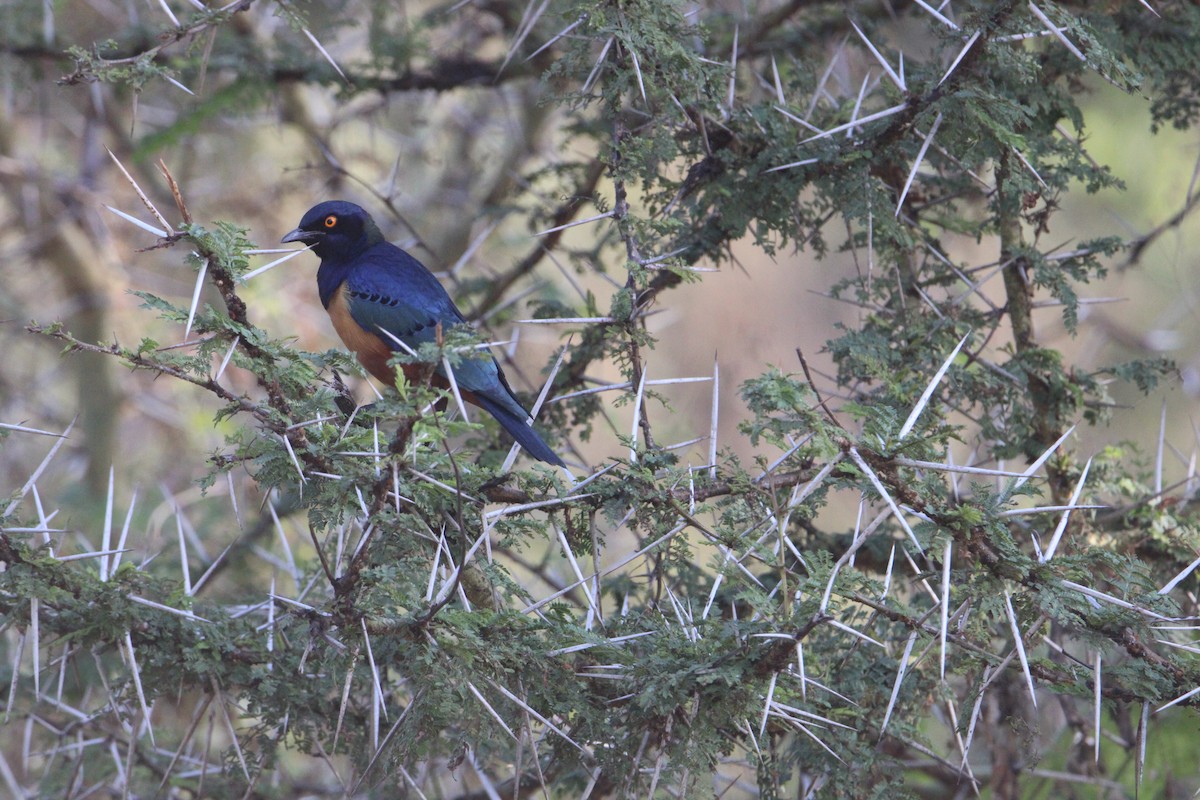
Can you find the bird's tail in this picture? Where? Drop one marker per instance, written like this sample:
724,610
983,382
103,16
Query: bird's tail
519,428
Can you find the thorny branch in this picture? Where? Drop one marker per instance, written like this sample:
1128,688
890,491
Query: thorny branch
975,540
498,287
984,544
142,361
634,255
207,21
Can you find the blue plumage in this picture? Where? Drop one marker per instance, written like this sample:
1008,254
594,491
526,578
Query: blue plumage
374,291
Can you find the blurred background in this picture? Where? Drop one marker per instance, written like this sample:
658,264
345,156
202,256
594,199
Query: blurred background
439,169
444,163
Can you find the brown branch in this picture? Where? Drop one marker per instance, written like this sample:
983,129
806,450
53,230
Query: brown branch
566,212
779,653
236,308
633,252
142,362
702,492
812,385
1138,246
748,143
1018,291
83,74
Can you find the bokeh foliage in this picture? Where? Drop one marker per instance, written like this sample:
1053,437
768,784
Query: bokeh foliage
431,621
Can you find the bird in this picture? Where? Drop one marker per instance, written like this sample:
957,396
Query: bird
376,294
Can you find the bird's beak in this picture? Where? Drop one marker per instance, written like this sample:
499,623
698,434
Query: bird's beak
300,235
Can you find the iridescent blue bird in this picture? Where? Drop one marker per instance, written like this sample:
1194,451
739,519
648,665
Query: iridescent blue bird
376,293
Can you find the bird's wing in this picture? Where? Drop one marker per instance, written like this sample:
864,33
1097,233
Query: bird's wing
389,290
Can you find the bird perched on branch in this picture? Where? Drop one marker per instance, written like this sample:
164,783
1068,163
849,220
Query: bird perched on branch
376,294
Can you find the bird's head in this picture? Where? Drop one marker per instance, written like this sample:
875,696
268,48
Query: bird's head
336,230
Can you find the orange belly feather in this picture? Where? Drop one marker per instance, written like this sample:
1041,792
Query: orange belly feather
372,351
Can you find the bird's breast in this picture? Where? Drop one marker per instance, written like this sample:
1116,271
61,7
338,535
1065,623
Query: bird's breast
372,351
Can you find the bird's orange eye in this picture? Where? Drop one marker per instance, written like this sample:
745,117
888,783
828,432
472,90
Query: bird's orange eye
331,221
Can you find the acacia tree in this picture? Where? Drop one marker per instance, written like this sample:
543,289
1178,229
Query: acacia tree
442,624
